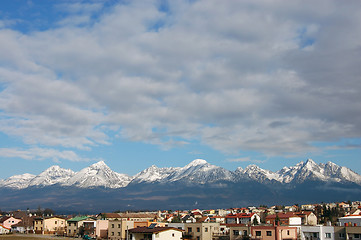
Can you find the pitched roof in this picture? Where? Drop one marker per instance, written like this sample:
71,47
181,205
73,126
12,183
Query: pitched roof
240,215
3,219
152,230
282,215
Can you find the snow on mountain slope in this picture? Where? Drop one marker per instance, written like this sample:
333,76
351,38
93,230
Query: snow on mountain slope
17,181
98,175
200,171
153,174
256,173
340,173
51,176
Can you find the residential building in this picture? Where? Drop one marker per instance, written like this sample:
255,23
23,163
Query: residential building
159,233
274,232
353,233
54,225
350,220
238,231
201,231
9,221
118,229
81,225
242,218
318,232
101,230
289,218
4,230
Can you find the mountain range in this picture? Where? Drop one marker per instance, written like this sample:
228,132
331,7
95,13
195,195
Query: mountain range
197,172
198,183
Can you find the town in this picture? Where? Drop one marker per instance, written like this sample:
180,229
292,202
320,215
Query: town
322,221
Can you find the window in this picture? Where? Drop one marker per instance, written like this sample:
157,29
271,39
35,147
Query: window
112,233
356,235
206,229
258,233
118,233
118,225
315,235
172,234
235,232
328,235
198,229
189,229
269,233
112,225
56,222
69,231
198,238
245,232
341,235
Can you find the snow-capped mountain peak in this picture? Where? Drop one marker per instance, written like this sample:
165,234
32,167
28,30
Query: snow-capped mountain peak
98,174
52,175
196,162
17,181
198,171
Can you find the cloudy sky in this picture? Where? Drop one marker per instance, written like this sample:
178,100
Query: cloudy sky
137,83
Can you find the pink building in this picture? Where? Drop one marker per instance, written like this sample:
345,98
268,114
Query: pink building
7,222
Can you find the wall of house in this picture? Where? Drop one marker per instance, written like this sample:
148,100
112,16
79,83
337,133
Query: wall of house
54,225
317,233
101,230
169,235
11,221
295,221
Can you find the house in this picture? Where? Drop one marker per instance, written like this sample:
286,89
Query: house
350,220
50,225
217,219
38,225
353,232
159,233
81,225
317,232
101,230
4,230
289,218
274,232
117,229
242,218
238,231
9,221
204,231
307,218
188,219
18,228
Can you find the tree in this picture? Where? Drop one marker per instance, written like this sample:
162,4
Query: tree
255,221
176,219
277,220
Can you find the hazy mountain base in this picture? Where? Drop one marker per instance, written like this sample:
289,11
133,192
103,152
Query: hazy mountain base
176,195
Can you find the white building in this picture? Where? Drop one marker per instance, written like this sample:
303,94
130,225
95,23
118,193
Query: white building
352,220
318,232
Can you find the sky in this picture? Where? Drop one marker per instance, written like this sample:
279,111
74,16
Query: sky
141,83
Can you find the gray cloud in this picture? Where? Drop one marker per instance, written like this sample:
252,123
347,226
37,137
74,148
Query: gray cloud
264,76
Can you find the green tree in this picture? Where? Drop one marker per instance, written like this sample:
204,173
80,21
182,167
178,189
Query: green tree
255,221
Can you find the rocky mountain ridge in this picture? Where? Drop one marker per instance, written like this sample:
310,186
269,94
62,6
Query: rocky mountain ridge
197,172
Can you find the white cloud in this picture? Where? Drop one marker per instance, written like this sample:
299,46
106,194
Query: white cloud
41,154
233,76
